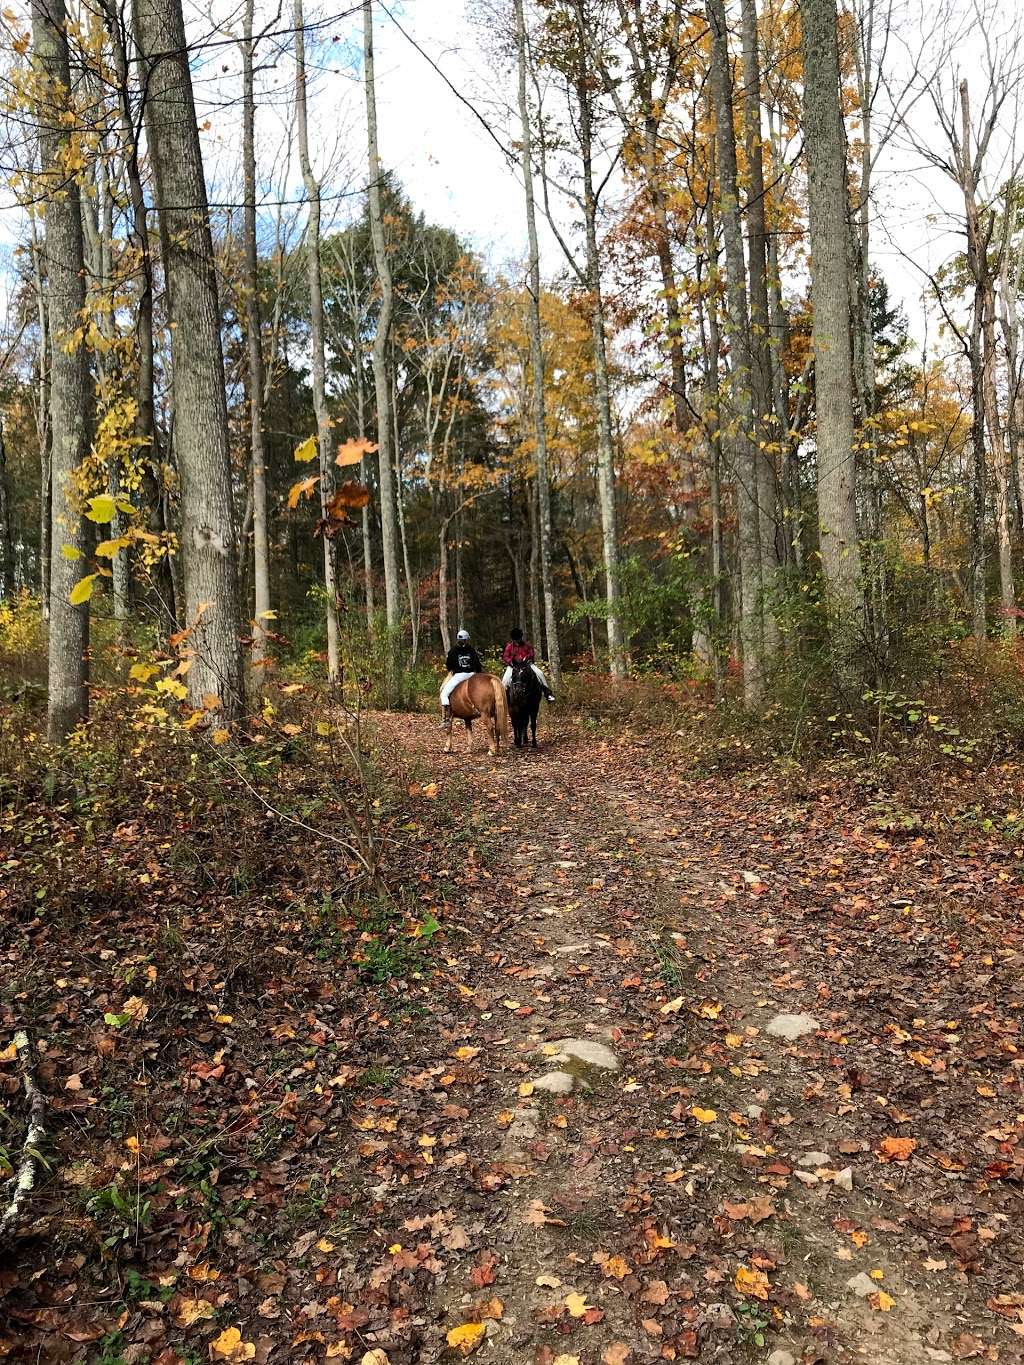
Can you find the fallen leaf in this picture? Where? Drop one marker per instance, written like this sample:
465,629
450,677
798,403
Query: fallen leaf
230,1346
753,1283
704,1115
467,1338
882,1301
617,1353
576,1304
897,1148
188,1310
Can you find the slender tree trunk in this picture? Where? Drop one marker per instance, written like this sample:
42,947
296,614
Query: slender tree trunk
537,363
443,617
830,297
68,698
364,471
43,423
389,538
318,369
602,386
200,409
410,587
6,542
760,336
993,420
534,567
745,453
254,355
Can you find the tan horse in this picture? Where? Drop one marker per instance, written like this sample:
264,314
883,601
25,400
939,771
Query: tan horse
480,697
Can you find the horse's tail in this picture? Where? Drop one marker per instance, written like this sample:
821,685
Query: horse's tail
501,721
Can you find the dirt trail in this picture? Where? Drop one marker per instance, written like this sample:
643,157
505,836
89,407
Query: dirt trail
712,1199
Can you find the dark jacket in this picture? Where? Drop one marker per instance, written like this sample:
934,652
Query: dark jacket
463,659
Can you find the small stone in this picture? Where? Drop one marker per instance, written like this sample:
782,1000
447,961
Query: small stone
555,1083
862,1285
587,1051
523,1128
814,1159
781,1357
844,1179
792,1026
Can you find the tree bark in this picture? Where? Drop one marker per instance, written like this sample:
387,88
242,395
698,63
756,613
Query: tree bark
208,538
554,659
254,356
760,335
602,386
6,543
389,539
830,296
740,401
316,312
68,692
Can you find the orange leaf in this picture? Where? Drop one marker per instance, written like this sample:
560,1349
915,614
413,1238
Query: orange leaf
353,450
302,489
897,1148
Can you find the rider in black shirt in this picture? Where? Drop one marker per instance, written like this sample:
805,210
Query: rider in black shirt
461,661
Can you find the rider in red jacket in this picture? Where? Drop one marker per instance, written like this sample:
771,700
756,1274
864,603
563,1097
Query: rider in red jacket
519,650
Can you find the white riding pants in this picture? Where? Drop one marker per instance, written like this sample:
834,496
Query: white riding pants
451,684
506,677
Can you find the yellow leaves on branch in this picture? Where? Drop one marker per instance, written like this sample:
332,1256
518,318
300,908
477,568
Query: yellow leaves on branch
307,451
82,590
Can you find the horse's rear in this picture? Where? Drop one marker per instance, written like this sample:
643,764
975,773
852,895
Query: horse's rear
524,694
480,697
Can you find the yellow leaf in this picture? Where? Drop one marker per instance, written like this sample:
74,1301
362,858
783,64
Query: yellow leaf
143,672
753,1283
576,1304
512,1004
107,549
467,1338
882,1301
307,451
173,687
211,702
189,1311
132,1143
877,1274
710,1009
230,1346
466,1054
82,590
492,1310
324,1245
734,1040
353,450
69,552
223,1018
525,1088
564,1359
220,736
673,1006
704,1115
101,508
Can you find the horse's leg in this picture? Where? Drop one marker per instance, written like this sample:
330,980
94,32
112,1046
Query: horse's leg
533,723
493,737
469,736
448,732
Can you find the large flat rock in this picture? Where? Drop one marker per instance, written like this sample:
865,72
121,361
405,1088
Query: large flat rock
588,1051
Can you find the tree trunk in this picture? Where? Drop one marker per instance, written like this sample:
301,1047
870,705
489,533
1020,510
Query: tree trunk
68,695
6,543
43,420
410,587
537,364
745,453
760,336
254,355
443,619
602,387
830,297
534,567
388,536
208,537
993,420
316,309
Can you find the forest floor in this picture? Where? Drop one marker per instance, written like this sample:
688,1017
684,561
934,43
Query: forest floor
275,1157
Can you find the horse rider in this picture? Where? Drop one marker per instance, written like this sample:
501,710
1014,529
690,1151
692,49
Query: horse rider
462,662
519,650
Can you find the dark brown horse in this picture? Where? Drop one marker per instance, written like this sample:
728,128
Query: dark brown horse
479,697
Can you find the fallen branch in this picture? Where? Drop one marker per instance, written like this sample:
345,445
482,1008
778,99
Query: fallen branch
26,1177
